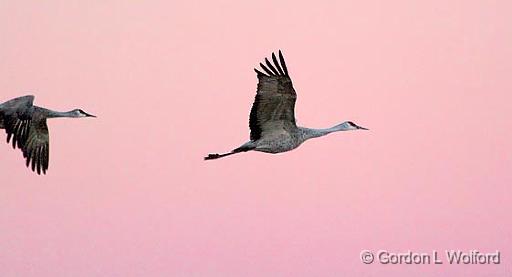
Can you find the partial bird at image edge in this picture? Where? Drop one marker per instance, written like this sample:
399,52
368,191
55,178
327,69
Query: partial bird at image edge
25,124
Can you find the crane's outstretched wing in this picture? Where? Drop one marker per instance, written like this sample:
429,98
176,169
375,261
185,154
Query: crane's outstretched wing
36,150
16,114
274,104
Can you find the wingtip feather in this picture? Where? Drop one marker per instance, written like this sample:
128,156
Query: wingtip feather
283,63
266,70
277,64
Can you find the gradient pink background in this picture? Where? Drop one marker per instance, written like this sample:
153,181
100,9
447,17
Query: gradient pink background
128,193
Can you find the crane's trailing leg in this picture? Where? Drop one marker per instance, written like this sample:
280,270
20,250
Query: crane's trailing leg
217,156
244,148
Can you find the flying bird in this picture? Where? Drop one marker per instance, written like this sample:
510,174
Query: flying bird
25,125
272,117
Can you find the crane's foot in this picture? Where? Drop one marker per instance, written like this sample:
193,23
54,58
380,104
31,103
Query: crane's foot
212,157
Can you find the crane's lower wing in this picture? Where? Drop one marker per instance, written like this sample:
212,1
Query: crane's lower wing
274,104
36,150
17,131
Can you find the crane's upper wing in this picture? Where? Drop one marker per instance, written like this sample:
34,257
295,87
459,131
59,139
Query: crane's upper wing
17,114
275,99
36,150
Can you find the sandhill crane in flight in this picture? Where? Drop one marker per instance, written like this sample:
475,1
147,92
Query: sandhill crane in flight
272,118
26,125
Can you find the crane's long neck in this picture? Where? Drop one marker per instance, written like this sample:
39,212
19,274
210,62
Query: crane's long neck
309,133
54,114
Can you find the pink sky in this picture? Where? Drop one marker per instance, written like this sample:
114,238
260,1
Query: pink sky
128,193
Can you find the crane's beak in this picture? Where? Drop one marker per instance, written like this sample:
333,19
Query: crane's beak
362,128
89,115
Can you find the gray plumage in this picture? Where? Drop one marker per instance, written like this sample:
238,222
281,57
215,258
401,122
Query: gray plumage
25,125
272,117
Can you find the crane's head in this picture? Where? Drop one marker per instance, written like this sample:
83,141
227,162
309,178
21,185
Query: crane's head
349,125
81,113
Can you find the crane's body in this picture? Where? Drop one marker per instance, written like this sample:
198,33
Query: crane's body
25,124
272,118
